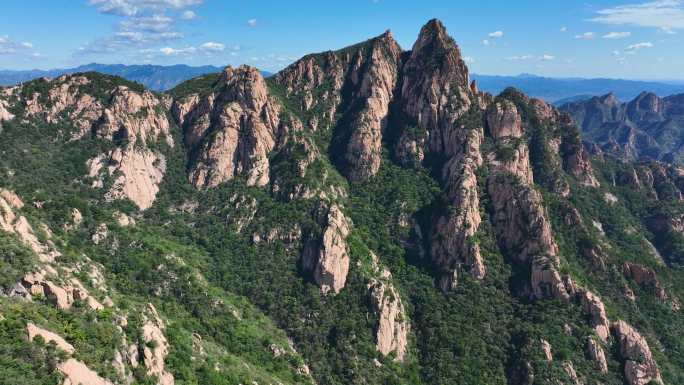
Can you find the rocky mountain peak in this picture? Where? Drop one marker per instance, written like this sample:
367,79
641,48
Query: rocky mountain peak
609,99
437,51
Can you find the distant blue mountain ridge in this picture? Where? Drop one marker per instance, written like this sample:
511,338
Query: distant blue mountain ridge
553,90
563,90
154,77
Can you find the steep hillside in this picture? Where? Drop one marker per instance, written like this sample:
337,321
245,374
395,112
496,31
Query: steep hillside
365,216
647,127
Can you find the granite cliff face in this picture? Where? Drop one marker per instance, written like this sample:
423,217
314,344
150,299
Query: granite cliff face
230,131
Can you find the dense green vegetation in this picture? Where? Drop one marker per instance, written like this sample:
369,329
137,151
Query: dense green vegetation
206,261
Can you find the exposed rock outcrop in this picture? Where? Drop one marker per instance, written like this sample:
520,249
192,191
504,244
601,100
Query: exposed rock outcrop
593,306
596,354
503,120
546,349
327,258
42,282
14,223
156,347
524,231
569,369
32,330
393,326
137,174
5,115
232,131
645,277
452,242
640,367
77,373
376,87
435,90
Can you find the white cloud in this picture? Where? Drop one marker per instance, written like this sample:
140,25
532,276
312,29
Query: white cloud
212,46
617,35
521,57
563,29
586,36
496,34
168,51
486,42
615,53
8,46
142,24
663,14
638,46
135,7
252,22
188,15
544,57
469,59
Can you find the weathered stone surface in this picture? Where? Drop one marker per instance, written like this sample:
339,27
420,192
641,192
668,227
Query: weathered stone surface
451,242
524,232
546,349
13,223
596,354
32,330
327,258
569,369
134,117
640,367
594,307
77,373
435,90
156,347
232,131
378,78
503,120
644,276
578,164
138,174
393,326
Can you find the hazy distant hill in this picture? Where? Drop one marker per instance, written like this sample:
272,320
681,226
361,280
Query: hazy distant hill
155,77
555,89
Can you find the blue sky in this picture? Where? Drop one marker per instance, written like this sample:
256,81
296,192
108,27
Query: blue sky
627,39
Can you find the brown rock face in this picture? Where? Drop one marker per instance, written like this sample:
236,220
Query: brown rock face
232,131
594,307
596,354
14,223
138,174
577,163
451,242
328,257
524,231
644,276
48,336
503,120
435,91
640,367
77,373
393,326
156,347
376,88
356,83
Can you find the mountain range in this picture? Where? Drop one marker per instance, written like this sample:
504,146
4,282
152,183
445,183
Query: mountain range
364,216
553,90
646,127
562,90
